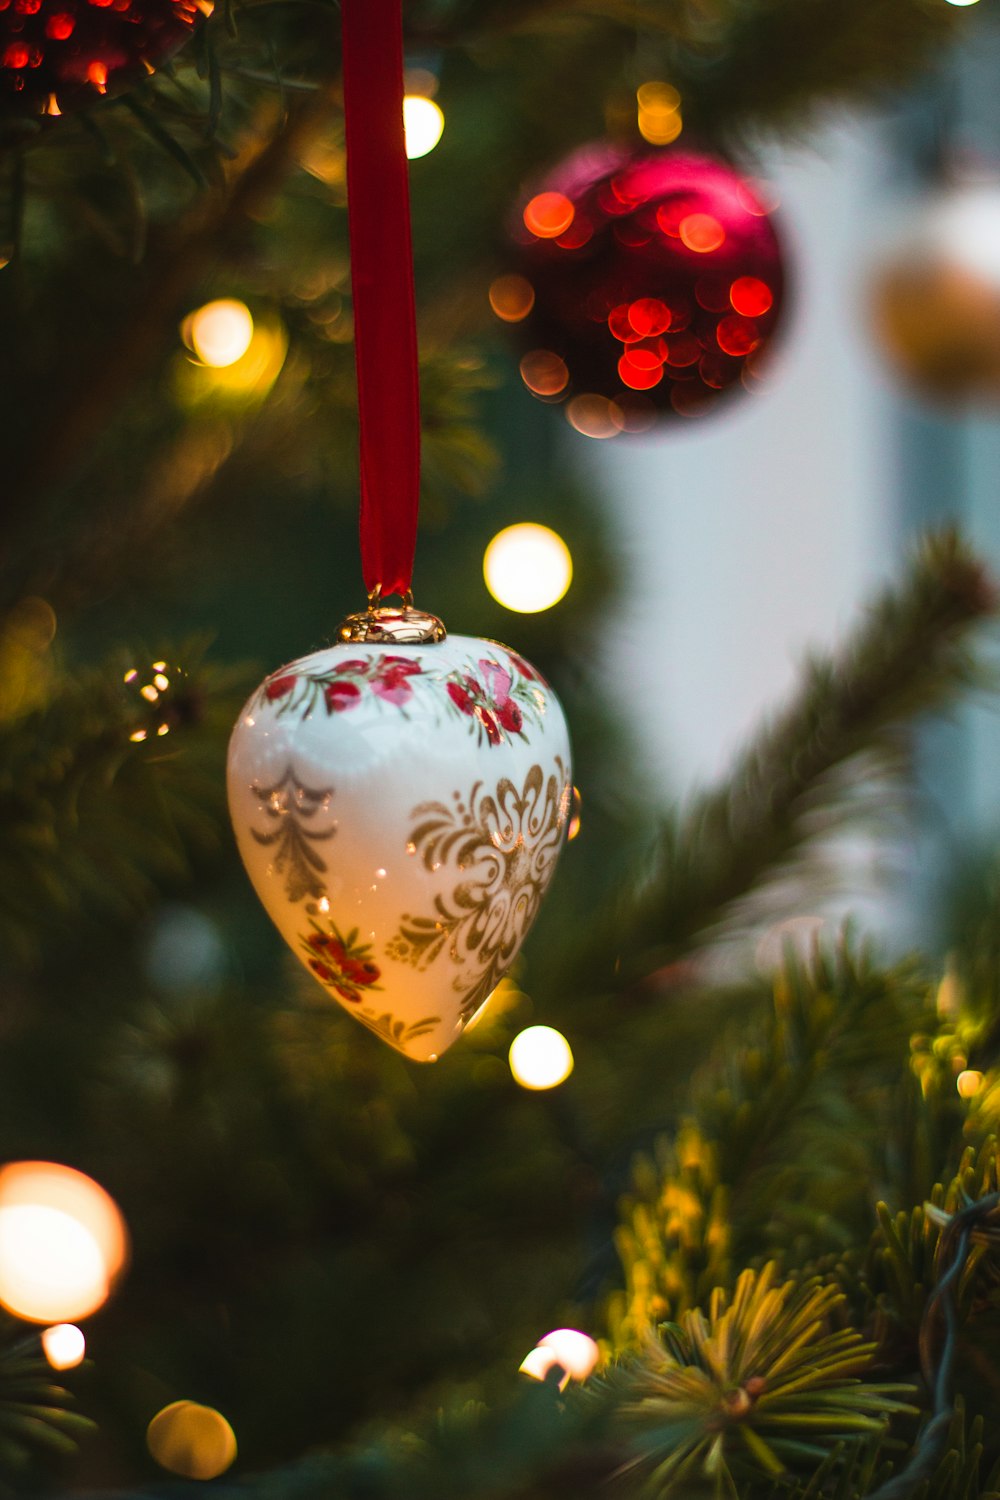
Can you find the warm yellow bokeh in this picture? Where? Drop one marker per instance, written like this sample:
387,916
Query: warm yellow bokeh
63,1242
540,1058
527,567
575,1351
423,124
219,333
64,1346
193,1441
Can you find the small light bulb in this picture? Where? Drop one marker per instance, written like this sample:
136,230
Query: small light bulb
540,1361
527,568
540,1058
219,333
575,1351
969,1082
423,124
63,1346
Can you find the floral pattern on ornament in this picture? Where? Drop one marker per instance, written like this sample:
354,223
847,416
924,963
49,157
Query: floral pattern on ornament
396,1033
502,846
499,699
341,963
292,807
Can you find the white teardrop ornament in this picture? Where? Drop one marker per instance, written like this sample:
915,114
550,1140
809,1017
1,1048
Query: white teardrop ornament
399,801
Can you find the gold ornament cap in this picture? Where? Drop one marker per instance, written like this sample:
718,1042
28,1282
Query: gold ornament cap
384,624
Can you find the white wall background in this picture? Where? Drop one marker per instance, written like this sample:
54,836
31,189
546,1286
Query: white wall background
756,532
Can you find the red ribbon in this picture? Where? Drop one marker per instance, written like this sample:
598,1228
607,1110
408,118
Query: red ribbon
385,332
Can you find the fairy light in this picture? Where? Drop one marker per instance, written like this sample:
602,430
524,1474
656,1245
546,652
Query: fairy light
576,1352
573,828
193,1441
538,1362
527,567
573,1353
969,1082
659,113
64,1346
63,1242
423,125
540,1058
219,333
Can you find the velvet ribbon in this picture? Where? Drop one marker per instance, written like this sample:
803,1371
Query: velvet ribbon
385,333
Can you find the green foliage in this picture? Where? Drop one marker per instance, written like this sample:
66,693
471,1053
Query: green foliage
104,796
760,1385
820,762
35,1418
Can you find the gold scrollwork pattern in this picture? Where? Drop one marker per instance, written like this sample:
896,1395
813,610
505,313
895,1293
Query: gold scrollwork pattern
290,807
502,846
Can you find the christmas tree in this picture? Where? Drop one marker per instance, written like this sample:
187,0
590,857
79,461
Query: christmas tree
756,1205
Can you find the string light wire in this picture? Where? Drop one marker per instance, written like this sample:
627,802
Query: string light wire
970,1225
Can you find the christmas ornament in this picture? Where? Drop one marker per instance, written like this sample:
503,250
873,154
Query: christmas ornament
399,798
400,809
58,55
648,284
935,296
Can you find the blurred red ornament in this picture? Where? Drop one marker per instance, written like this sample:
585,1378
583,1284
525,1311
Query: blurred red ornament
648,284
58,55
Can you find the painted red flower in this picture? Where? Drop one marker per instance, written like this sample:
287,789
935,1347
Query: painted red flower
510,716
498,686
401,666
526,669
488,722
461,697
393,686
355,665
339,969
341,695
277,687
360,972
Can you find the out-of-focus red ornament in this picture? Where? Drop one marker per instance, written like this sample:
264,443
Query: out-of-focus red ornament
648,284
58,55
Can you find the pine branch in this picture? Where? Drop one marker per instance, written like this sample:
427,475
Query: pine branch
35,1418
798,779
778,1142
103,794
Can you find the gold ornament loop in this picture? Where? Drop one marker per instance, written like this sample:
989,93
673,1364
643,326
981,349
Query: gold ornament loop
383,624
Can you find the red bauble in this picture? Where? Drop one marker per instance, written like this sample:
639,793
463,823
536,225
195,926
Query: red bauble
57,55
648,284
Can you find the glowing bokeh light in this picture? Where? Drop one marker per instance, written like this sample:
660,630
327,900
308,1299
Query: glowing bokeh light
540,1058
423,125
544,373
62,1242
659,113
64,1346
750,296
548,215
701,232
595,416
575,817
963,2
969,1082
512,297
191,1440
527,567
538,1362
576,1352
219,333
